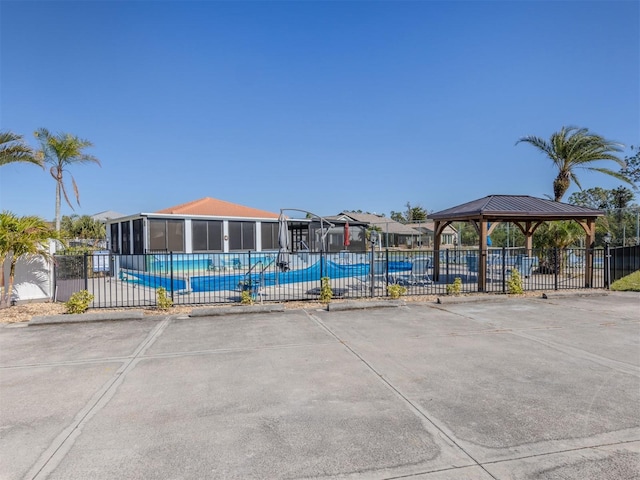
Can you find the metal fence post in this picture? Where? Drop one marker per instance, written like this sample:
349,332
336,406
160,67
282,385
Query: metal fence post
504,270
386,271
250,279
171,275
556,267
371,271
85,272
607,265
447,265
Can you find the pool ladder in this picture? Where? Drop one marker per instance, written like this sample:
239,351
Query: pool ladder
255,285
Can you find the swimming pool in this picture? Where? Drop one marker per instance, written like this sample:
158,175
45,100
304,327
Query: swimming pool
220,282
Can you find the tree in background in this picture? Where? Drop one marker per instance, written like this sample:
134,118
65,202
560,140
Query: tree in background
632,167
21,237
551,239
13,150
572,148
410,215
602,199
621,218
82,227
61,151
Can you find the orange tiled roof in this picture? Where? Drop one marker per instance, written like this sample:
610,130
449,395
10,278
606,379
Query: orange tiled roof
217,208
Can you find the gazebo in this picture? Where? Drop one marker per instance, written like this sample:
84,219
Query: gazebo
526,212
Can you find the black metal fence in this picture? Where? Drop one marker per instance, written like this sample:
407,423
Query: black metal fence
624,261
214,278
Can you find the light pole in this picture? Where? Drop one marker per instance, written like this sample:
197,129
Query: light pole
607,260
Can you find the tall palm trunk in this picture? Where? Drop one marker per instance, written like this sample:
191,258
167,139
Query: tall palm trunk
58,179
57,207
561,185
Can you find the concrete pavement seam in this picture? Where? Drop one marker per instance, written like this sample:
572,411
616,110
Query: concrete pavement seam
239,349
399,393
88,361
62,444
537,455
577,352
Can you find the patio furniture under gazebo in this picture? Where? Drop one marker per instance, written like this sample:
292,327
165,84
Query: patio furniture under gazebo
526,212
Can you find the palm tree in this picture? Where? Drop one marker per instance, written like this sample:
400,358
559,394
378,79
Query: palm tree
61,151
13,149
572,148
21,237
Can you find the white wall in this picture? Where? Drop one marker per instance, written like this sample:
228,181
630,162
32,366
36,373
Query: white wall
33,280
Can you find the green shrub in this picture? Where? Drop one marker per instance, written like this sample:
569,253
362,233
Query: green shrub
246,298
326,294
79,302
455,288
163,302
396,291
514,284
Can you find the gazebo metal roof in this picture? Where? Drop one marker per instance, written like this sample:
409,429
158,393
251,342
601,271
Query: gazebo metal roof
526,212
515,207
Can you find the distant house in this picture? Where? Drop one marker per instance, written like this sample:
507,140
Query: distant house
396,234
393,234
448,239
203,225
106,215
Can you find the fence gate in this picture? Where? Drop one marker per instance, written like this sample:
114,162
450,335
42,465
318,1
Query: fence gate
70,276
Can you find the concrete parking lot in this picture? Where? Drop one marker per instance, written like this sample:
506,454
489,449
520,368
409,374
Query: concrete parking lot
526,388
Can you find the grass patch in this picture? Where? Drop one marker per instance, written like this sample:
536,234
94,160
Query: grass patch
630,283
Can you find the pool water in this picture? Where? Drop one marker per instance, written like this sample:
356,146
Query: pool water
212,283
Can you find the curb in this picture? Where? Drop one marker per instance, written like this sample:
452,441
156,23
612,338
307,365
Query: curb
543,295
475,299
238,309
86,317
554,294
355,305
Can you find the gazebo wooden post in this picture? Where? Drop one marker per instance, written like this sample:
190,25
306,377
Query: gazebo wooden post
482,261
528,235
436,250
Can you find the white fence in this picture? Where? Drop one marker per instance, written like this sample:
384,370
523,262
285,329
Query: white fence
34,279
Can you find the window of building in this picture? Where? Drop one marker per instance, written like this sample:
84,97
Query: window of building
115,243
175,235
126,237
269,236
138,243
242,235
206,235
166,235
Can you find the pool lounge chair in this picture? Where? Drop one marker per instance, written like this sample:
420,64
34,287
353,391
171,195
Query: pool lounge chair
379,277
419,274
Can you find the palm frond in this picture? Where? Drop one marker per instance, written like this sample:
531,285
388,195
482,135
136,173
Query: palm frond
574,147
76,192
13,150
64,194
612,173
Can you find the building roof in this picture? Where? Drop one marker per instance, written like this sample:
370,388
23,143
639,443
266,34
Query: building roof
515,207
217,208
106,215
386,224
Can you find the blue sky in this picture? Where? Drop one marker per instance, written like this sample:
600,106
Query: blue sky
322,106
